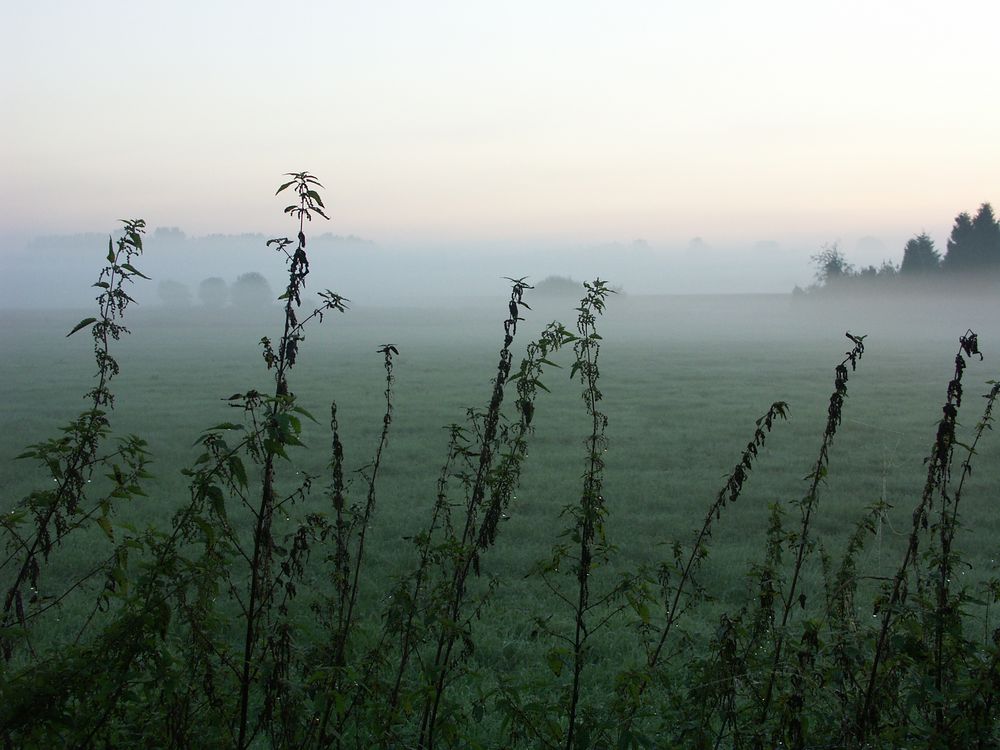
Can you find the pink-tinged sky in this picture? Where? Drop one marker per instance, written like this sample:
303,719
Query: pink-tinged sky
504,121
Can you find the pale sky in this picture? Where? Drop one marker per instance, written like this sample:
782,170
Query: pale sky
503,121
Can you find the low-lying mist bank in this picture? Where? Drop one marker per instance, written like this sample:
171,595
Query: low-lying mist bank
778,318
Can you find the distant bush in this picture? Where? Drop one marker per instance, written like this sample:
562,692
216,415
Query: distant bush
557,286
564,286
213,292
251,290
173,293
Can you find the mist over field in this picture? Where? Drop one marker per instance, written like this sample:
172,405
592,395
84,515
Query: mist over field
47,270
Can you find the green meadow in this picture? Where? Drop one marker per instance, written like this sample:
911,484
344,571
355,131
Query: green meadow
683,381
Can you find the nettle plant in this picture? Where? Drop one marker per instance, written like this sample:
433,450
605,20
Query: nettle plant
45,519
221,631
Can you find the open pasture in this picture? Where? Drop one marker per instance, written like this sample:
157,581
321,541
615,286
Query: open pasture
683,380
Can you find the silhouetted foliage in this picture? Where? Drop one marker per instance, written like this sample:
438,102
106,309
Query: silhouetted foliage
974,244
831,265
973,250
920,257
887,270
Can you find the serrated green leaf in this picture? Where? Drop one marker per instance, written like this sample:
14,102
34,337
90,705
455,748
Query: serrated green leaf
105,524
217,499
225,426
132,269
555,662
304,413
206,529
82,324
238,471
275,448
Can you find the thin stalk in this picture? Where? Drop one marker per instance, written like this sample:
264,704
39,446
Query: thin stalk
591,510
938,470
468,555
258,604
808,505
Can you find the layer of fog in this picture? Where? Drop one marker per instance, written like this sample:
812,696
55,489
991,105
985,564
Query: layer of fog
57,270
722,292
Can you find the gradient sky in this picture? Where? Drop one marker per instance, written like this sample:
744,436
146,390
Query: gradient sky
504,121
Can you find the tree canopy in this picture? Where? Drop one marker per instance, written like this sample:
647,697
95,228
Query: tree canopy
831,265
213,292
920,257
973,252
251,290
974,244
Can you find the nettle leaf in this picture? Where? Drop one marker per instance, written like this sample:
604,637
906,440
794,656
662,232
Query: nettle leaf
275,447
304,413
132,269
554,659
105,524
225,426
217,499
238,471
82,324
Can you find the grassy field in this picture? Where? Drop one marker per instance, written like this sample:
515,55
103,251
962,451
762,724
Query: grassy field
683,381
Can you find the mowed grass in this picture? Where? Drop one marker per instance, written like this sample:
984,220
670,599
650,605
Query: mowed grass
683,380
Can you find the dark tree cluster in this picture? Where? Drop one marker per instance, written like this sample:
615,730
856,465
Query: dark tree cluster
974,245
973,249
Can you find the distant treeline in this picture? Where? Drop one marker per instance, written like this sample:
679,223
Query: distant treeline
973,252
250,289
